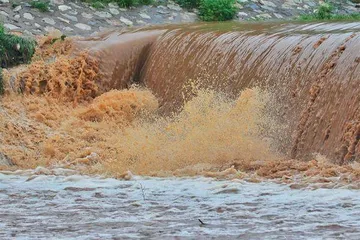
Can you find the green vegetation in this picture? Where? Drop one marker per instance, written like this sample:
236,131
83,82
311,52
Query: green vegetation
217,10
43,6
1,82
211,10
327,11
14,49
188,4
97,4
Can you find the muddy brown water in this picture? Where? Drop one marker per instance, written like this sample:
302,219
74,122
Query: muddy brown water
308,75
311,69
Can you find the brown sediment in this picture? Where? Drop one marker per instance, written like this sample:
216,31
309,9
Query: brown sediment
68,78
220,103
318,43
50,46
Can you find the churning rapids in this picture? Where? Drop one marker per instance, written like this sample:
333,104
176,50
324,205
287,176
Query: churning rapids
78,207
252,128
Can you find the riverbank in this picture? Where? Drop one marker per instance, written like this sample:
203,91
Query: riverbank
79,18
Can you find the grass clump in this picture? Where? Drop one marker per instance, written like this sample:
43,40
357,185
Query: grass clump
217,10
14,49
42,6
188,4
327,11
97,5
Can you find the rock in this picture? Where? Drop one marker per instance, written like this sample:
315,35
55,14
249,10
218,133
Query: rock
268,3
123,9
103,14
17,16
144,16
253,6
174,7
42,171
28,16
242,14
188,17
50,29
4,13
113,22
286,6
56,2
75,5
239,6
72,18
17,8
126,21
278,15
4,1
68,29
55,34
64,8
37,25
113,5
162,7
49,21
83,26
5,160
114,11
269,9
10,26
87,15
162,11
140,22
64,20
264,16
73,12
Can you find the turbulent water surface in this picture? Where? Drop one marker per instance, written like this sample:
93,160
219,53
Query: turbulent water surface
80,207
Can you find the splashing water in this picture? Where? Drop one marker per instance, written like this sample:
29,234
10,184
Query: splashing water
126,133
71,116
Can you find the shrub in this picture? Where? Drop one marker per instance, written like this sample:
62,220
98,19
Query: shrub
14,49
97,5
326,12
189,4
41,5
217,10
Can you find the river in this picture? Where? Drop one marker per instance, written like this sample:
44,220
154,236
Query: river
84,207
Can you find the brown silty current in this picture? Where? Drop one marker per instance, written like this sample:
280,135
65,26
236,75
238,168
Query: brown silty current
313,70
307,74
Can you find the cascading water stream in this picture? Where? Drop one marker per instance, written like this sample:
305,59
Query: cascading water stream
223,93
